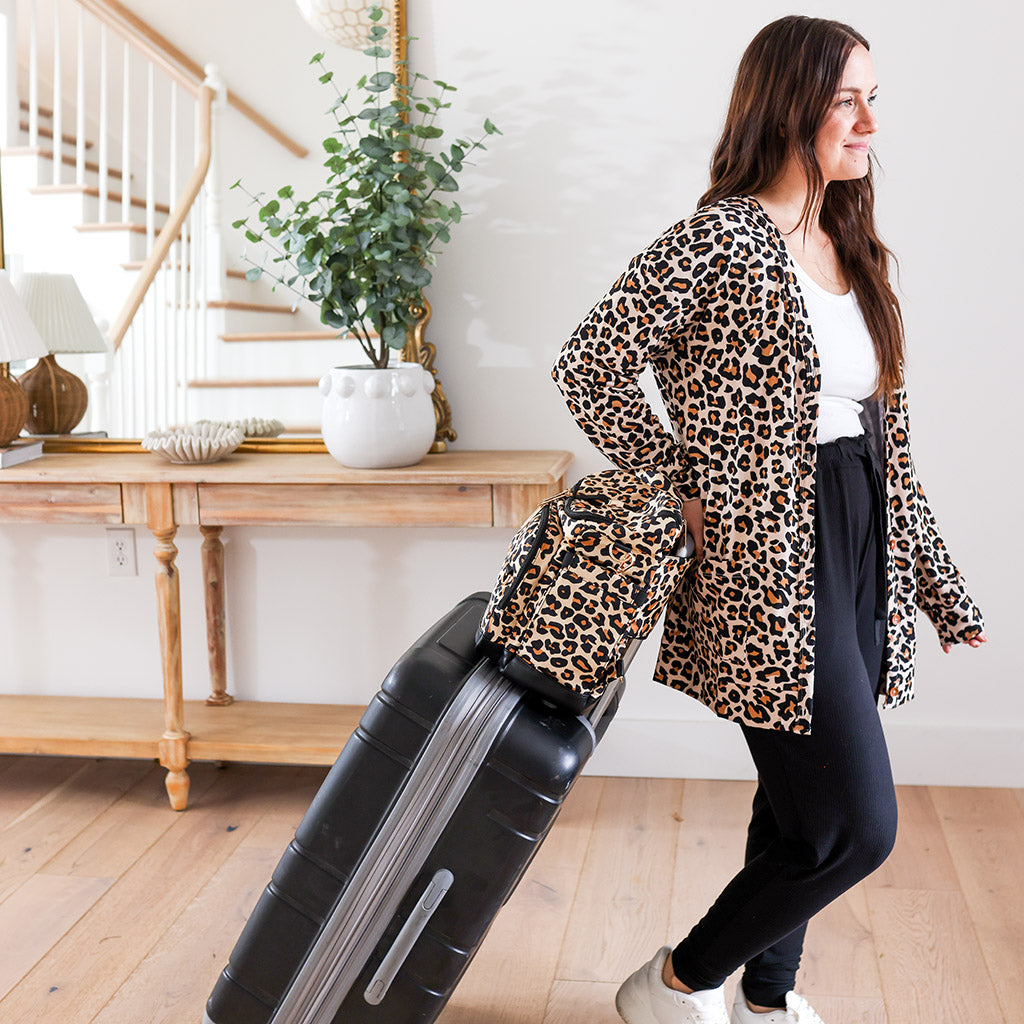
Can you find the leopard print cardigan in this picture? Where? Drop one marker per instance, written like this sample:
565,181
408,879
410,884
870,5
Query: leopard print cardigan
714,307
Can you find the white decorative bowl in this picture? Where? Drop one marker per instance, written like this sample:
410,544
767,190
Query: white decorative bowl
249,427
195,444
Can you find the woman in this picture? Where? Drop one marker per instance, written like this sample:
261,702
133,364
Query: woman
777,343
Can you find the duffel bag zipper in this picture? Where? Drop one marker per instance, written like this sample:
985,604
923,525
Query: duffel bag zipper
542,529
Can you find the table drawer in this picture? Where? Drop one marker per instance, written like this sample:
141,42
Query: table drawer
59,503
346,505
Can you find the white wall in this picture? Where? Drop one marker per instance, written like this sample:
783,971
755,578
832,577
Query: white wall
609,112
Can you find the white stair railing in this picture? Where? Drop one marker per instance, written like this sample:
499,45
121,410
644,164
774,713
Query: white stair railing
121,101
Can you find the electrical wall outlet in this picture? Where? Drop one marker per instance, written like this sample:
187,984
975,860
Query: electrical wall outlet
121,552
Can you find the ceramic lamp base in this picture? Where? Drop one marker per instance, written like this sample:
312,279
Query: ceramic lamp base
57,398
13,407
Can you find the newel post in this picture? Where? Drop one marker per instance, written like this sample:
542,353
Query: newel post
214,239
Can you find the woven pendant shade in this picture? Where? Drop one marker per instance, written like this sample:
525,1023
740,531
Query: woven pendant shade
344,22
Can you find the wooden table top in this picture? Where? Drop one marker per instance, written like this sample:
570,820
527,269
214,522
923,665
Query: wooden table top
457,467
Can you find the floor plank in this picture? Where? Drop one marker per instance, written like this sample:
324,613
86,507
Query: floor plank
37,916
930,962
28,780
920,859
119,910
620,916
52,821
984,830
839,957
709,849
106,945
175,979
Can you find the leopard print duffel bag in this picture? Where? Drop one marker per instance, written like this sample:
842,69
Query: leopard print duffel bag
588,573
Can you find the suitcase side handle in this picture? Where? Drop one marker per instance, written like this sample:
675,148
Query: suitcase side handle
435,891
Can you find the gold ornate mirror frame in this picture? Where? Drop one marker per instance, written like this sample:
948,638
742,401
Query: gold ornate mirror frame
417,349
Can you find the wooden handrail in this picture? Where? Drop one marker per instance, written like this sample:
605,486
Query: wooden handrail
185,71
172,227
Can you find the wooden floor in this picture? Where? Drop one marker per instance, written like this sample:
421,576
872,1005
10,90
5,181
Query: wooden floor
115,909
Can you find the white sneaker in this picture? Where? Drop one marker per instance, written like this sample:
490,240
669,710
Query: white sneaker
644,998
797,1011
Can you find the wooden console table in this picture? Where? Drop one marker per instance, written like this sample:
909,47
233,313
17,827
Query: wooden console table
498,488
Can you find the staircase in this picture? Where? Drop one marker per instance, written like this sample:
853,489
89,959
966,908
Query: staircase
206,342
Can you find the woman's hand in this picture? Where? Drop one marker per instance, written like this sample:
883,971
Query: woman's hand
946,648
693,516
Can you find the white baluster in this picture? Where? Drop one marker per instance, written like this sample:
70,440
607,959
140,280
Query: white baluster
213,242
58,135
80,103
33,77
9,49
104,158
126,137
150,162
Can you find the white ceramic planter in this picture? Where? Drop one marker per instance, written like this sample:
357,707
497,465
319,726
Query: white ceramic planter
376,419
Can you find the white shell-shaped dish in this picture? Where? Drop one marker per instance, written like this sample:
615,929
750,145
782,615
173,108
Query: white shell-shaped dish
195,444
249,427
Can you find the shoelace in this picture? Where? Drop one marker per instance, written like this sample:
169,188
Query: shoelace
799,1011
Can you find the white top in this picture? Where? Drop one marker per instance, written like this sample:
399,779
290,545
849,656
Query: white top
846,358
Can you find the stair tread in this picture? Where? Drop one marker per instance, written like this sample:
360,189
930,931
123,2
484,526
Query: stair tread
138,264
66,158
137,229
91,190
252,307
47,133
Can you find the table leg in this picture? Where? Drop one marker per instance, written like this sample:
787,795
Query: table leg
174,742
213,586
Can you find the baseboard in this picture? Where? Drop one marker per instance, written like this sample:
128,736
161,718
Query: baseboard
933,755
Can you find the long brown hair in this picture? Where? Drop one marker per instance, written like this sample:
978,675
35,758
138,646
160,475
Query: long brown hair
786,82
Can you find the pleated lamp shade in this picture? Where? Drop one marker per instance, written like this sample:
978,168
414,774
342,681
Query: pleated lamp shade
57,398
60,313
19,337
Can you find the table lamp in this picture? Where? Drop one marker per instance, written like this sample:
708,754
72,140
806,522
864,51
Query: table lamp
19,339
57,398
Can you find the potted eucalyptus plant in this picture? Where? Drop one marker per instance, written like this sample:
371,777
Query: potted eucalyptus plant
361,249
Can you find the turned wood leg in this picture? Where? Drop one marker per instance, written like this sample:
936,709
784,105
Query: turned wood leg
174,742
213,586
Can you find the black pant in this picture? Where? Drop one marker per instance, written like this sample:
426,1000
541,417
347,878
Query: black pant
824,813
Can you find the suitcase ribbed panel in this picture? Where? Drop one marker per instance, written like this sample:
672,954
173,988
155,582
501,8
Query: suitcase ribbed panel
485,833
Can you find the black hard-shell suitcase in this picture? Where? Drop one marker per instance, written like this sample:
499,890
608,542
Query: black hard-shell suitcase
419,834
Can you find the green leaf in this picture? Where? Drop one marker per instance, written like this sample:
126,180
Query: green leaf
316,58
326,77
374,148
236,184
332,145
377,32
254,273
236,224
491,128
376,13
252,236
285,192
394,336
443,85
377,51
